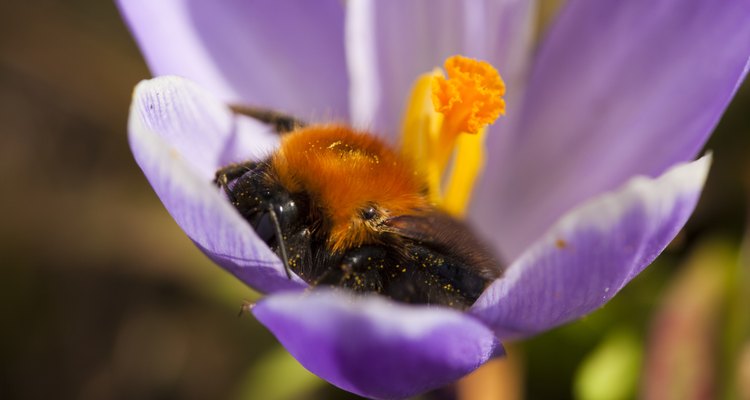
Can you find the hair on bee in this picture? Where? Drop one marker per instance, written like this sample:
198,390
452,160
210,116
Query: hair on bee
342,208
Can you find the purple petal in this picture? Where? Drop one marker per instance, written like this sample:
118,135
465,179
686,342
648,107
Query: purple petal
390,43
591,253
619,88
374,347
199,127
285,55
176,133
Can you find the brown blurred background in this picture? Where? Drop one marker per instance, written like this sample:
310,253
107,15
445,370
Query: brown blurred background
103,297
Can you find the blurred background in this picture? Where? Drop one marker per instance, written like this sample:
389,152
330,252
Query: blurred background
104,297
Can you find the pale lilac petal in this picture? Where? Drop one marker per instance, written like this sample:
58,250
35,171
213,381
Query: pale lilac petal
375,347
249,140
199,127
390,43
176,133
619,88
591,253
286,55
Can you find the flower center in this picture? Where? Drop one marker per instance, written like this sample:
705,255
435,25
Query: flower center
446,120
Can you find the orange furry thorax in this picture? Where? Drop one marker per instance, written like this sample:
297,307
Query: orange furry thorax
343,172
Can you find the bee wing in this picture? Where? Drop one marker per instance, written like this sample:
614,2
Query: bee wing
448,236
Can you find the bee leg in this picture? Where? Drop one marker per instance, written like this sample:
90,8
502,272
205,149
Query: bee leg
233,171
361,269
282,123
245,307
230,173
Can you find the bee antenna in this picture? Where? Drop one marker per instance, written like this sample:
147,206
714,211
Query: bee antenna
280,239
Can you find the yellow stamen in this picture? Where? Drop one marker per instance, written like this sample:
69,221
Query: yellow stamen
421,132
439,111
472,96
467,165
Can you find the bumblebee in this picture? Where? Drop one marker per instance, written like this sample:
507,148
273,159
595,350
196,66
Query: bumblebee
341,208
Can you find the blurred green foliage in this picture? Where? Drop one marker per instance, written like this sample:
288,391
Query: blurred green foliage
612,369
277,376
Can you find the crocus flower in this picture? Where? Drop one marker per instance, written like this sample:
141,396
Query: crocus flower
587,179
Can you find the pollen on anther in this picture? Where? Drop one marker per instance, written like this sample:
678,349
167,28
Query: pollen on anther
471,97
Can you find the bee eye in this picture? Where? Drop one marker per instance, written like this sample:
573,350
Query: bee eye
369,213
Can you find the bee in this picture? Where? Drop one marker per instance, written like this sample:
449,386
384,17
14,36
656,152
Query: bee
342,208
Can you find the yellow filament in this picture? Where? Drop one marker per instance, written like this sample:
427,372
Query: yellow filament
421,131
467,165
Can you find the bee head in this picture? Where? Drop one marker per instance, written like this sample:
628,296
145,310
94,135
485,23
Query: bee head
257,195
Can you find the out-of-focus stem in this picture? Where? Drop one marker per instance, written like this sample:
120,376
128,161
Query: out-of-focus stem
500,379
